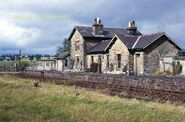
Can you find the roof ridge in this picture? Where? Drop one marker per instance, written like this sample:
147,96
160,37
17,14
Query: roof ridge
104,27
154,34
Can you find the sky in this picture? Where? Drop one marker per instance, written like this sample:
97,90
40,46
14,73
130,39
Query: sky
40,26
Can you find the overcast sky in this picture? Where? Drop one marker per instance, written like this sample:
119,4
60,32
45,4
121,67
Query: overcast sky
41,25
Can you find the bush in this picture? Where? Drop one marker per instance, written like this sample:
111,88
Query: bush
94,67
22,65
177,67
1,59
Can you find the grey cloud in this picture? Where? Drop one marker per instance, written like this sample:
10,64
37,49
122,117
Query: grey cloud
151,16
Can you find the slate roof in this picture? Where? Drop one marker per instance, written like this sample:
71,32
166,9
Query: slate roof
100,47
146,40
137,41
63,55
128,40
108,32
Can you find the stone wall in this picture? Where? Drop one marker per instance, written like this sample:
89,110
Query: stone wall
96,56
119,48
80,53
169,84
162,47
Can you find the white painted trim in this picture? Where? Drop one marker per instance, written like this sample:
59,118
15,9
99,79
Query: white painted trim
136,42
110,42
173,41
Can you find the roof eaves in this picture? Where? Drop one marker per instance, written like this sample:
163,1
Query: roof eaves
162,33
173,41
110,42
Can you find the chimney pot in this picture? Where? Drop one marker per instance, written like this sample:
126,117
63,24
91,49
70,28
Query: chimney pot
97,27
132,29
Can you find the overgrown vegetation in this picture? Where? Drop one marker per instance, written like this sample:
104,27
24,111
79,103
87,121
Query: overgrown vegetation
22,65
94,67
177,67
20,101
159,73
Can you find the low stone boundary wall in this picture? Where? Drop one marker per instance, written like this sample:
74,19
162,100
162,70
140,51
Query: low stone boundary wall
171,84
143,87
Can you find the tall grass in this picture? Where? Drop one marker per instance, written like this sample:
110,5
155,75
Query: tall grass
20,101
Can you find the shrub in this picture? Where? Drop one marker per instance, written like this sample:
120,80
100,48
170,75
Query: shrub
1,59
94,67
22,65
177,67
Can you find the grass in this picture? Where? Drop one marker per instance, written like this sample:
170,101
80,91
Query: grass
20,101
11,63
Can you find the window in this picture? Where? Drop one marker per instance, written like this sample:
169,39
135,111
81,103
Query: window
118,60
77,46
107,61
92,59
77,61
66,62
47,63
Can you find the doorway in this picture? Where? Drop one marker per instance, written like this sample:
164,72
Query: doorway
138,64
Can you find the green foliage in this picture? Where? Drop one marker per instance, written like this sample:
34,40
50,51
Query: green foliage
166,73
1,59
38,57
31,57
94,67
22,65
177,67
66,47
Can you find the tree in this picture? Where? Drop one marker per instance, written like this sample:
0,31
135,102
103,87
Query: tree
1,59
177,67
22,65
59,51
38,57
66,47
31,57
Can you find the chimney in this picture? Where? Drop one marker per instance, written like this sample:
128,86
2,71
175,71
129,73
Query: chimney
97,27
132,29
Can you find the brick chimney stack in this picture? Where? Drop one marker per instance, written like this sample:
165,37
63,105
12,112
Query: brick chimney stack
132,29
97,27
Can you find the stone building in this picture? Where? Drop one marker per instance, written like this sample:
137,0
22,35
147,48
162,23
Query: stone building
118,50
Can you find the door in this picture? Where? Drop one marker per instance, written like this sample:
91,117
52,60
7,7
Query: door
138,64
99,64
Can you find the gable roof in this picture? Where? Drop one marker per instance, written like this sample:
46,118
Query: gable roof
100,47
63,55
137,41
128,40
109,33
146,40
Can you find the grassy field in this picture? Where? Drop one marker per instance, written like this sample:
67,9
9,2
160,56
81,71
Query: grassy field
20,101
10,63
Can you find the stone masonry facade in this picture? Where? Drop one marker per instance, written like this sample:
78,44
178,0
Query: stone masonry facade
130,53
